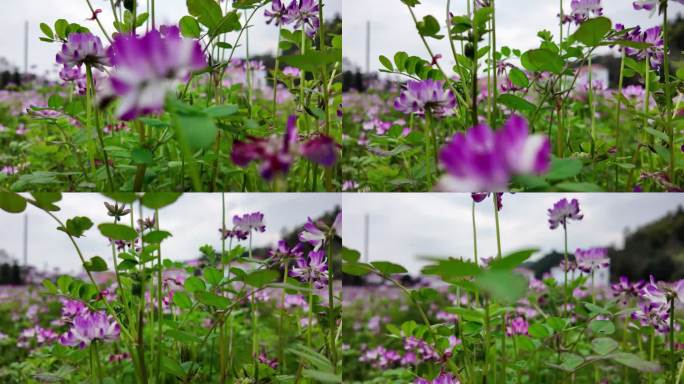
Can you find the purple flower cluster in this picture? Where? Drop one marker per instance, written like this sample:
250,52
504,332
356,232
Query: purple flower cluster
517,326
312,268
250,222
40,335
443,378
649,5
563,211
484,160
426,95
655,51
582,10
90,327
147,68
591,259
276,154
83,48
625,290
303,13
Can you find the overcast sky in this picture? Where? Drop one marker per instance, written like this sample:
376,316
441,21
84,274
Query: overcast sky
517,22
405,225
13,14
193,220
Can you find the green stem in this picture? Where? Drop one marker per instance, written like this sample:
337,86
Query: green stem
160,313
98,364
668,91
255,339
428,157
565,268
98,129
592,110
495,90
331,306
617,118
275,79
673,361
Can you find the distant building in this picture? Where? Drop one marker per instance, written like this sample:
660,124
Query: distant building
601,276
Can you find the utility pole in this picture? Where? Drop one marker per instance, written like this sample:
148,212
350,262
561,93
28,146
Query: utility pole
366,239
26,46
368,33
25,240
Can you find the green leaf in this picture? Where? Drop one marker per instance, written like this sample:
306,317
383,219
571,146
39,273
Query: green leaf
322,377
122,197
61,26
562,169
47,30
229,23
96,264
190,27
182,300
207,12
46,200
156,237
356,269
261,277
604,345
198,130
429,27
592,31
158,200
77,226
141,156
219,111
518,77
211,299
542,60
513,260
63,283
570,361
602,327
194,284
311,61
504,286
171,366
516,102
50,286
633,361
350,255
386,63
212,275
12,202
386,268
451,268
578,187
539,331
117,231
182,336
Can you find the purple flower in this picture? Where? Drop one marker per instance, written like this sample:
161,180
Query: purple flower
482,160
291,71
73,308
263,359
147,68
337,224
582,10
312,235
662,292
312,268
275,153
278,13
624,289
250,222
305,15
649,5
517,326
654,315
563,211
591,259
83,48
283,254
655,50
443,378
89,327
423,95
321,150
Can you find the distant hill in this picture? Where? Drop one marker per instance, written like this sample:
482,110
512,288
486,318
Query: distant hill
654,249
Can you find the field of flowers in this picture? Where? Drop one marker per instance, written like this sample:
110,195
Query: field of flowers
227,317
487,320
171,107
506,119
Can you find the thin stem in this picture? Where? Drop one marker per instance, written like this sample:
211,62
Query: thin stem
98,364
91,92
495,90
668,91
275,79
428,157
617,117
673,361
160,313
97,19
565,269
592,110
331,306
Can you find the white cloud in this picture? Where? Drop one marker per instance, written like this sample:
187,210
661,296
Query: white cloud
403,226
